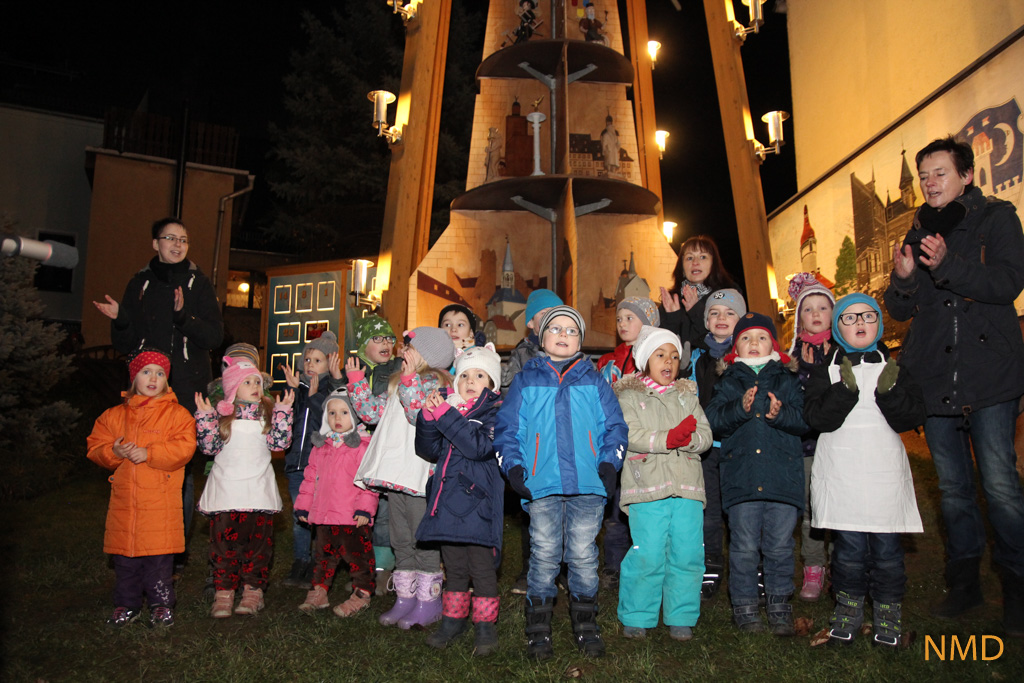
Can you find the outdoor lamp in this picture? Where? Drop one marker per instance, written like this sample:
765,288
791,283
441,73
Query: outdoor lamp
669,228
652,49
774,120
381,99
661,136
756,18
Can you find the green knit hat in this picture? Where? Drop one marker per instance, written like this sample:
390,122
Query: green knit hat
369,327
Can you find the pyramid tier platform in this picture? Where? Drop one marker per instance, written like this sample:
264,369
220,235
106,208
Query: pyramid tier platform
544,56
546,191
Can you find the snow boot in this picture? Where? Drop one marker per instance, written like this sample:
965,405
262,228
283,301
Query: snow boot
538,628
428,602
405,588
485,619
780,615
583,614
846,619
888,624
747,618
454,617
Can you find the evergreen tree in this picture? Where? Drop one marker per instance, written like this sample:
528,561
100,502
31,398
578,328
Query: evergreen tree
846,268
32,424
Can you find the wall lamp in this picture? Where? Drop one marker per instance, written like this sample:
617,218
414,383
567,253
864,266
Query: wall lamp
362,287
661,137
652,49
669,228
408,11
381,99
774,120
756,19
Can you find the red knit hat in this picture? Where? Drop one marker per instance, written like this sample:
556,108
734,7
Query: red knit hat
144,357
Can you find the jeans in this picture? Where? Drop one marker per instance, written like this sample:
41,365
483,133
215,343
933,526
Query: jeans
302,534
869,564
616,533
991,433
564,527
760,528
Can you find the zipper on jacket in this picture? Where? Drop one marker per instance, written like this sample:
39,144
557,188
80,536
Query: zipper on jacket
536,453
590,435
440,486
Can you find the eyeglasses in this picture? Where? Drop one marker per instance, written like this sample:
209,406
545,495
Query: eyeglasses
569,331
851,318
379,339
172,238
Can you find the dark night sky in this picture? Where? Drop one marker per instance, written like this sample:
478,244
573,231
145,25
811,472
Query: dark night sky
229,61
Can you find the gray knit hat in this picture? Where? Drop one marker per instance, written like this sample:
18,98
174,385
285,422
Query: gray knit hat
567,311
326,343
434,344
643,307
726,297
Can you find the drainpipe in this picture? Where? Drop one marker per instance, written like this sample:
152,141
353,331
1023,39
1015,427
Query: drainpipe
220,226
179,177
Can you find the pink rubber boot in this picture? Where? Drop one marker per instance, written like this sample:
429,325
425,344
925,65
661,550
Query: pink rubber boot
405,588
428,601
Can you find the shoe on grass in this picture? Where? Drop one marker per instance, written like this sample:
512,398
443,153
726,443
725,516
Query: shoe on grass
123,616
162,616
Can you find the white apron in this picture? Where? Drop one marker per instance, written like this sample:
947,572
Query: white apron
242,477
390,461
860,479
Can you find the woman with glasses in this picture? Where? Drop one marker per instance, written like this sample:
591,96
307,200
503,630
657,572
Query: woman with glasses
170,305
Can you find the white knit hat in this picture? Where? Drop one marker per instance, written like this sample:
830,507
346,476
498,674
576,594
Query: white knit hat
649,339
482,358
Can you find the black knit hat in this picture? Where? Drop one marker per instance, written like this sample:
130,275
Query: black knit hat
460,309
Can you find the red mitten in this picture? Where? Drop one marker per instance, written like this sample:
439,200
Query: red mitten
680,435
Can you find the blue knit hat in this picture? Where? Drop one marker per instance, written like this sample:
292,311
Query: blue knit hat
842,305
540,299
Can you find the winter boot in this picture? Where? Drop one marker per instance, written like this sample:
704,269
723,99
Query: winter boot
888,623
223,601
454,614
405,588
1013,604
485,618
814,583
315,599
296,576
251,602
123,616
428,602
538,628
382,578
583,614
712,581
780,615
846,619
357,602
964,585
747,618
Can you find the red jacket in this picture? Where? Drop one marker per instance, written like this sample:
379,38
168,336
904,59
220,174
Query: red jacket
144,517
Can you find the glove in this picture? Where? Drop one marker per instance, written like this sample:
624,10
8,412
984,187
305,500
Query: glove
846,374
517,480
299,514
887,379
609,477
680,435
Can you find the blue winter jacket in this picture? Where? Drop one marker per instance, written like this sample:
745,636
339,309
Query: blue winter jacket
560,428
465,495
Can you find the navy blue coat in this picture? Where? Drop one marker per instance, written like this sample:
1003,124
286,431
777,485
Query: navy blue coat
465,495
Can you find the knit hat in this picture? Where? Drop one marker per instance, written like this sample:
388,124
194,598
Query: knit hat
482,358
326,343
351,437
725,297
458,308
540,299
236,370
433,344
369,327
648,341
147,356
753,321
842,305
562,310
643,307
243,350
802,286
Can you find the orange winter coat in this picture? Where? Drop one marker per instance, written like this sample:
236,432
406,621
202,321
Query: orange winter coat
144,517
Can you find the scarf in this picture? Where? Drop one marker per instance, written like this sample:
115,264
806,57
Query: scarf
163,271
816,339
758,362
702,289
717,349
651,384
941,221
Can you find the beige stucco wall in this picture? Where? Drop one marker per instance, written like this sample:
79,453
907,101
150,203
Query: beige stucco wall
857,66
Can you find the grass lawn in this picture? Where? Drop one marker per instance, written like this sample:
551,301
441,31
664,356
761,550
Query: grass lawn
56,595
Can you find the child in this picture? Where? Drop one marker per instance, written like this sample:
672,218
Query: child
321,374
146,441
376,353
862,489
340,511
699,271
757,411
631,314
391,464
538,304
460,324
465,497
662,490
811,334
560,439
724,309
240,496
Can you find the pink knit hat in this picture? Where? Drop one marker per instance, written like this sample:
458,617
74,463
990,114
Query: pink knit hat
236,370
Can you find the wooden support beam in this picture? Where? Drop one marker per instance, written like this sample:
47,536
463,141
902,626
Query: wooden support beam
643,101
407,210
744,166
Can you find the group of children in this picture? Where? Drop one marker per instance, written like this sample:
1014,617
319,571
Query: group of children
396,462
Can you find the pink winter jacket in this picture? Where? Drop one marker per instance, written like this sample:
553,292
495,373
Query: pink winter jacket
327,492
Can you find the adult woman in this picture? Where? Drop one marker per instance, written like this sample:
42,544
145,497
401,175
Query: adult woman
698,273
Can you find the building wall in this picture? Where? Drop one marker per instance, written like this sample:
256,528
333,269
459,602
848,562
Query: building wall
44,188
857,66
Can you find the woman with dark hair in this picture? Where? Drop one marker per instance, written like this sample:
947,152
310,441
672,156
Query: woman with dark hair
698,272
